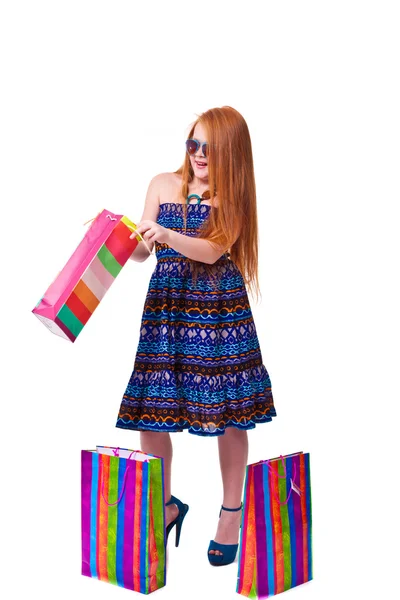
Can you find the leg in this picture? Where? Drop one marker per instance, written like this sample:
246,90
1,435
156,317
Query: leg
159,443
233,454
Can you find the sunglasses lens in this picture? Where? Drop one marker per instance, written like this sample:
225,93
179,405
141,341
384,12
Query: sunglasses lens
205,149
191,147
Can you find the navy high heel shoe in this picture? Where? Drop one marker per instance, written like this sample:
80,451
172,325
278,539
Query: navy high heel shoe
183,509
228,550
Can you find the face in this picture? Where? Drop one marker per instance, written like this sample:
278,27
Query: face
198,161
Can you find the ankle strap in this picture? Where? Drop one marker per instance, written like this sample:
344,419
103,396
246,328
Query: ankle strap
175,500
232,509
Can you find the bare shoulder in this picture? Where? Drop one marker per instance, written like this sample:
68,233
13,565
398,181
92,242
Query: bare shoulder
167,186
152,201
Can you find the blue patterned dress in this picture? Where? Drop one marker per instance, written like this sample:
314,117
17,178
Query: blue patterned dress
198,364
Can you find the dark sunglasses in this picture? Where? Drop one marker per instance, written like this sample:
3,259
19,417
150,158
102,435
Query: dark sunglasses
193,145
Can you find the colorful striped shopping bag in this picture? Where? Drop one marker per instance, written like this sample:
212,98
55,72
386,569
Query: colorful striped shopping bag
123,524
76,292
275,551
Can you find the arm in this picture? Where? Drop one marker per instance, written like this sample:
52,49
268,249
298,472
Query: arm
151,208
194,248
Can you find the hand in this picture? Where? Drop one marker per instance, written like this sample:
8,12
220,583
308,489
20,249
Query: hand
152,232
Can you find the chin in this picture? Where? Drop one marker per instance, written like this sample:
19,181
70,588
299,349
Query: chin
200,173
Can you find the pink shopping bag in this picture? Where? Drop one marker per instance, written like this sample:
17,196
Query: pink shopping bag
78,289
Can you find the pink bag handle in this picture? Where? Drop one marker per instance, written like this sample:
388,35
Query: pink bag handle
284,476
116,453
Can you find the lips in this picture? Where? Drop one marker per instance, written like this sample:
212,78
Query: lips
200,164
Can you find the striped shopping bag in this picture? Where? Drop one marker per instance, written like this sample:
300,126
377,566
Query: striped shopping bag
123,524
78,289
275,551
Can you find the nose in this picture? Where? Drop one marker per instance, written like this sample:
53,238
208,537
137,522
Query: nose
199,153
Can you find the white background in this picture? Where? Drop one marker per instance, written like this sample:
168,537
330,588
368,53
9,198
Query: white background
96,99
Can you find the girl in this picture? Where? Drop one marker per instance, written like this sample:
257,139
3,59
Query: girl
198,364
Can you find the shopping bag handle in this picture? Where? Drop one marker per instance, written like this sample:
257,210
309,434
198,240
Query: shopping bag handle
123,482
293,486
141,237
129,227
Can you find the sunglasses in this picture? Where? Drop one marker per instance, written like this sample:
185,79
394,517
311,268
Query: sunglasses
193,145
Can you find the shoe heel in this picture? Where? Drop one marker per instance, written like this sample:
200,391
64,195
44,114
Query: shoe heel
183,509
178,533
179,526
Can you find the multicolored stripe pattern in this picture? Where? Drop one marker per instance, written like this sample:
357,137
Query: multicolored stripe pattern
89,286
123,543
275,551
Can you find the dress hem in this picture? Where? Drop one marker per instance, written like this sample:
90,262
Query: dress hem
248,427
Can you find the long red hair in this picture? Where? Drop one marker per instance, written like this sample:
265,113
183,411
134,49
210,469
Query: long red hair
233,225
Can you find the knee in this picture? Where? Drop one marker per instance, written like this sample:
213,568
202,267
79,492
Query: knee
154,435
155,438
235,432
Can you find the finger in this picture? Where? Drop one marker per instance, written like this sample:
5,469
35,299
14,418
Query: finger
144,227
138,230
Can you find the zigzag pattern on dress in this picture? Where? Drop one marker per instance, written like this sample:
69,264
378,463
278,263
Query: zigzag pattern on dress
198,364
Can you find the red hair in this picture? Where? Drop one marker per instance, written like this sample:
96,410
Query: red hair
233,225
